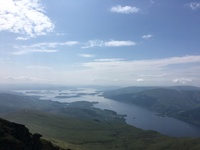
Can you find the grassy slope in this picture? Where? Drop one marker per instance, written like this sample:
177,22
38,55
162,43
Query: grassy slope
17,136
85,134
81,127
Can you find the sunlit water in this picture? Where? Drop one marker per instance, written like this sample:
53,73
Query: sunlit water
136,116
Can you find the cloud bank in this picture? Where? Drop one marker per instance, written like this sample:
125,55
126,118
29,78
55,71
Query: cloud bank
25,17
118,71
148,72
42,47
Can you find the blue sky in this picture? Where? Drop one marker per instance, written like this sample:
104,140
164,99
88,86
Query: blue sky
95,42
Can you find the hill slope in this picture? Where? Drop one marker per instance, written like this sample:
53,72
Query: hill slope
78,126
17,137
172,101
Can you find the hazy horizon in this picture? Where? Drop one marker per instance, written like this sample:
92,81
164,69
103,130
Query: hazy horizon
105,43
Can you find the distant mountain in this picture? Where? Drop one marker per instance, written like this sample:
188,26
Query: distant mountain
175,101
12,103
184,88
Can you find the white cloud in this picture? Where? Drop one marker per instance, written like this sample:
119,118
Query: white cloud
86,55
143,64
118,71
109,60
111,43
156,71
22,38
182,80
24,17
55,44
42,47
119,43
147,36
194,5
124,9
140,80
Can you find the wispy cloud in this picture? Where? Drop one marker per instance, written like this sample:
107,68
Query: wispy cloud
25,78
28,51
156,71
24,17
87,55
93,43
109,60
124,9
111,43
55,44
42,47
148,36
154,75
194,5
119,71
152,2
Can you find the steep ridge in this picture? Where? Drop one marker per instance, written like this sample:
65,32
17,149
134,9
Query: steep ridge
17,137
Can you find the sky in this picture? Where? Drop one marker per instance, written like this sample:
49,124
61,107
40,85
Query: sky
100,42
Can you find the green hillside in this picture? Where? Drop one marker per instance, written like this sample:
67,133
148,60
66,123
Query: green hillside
79,126
89,134
17,137
171,101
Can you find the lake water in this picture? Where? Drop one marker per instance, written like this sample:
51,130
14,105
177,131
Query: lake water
136,116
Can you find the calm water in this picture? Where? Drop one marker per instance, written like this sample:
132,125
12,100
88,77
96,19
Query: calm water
136,116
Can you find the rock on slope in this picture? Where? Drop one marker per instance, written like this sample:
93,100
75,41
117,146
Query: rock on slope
17,137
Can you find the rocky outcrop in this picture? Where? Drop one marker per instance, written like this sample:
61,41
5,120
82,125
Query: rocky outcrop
17,137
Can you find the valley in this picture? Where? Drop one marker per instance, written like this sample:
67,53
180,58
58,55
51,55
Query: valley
80,125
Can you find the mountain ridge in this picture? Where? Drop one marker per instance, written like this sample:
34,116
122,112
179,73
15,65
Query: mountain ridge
174,101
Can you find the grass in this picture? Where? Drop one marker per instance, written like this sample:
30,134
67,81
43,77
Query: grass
87,134
78,126
65,129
